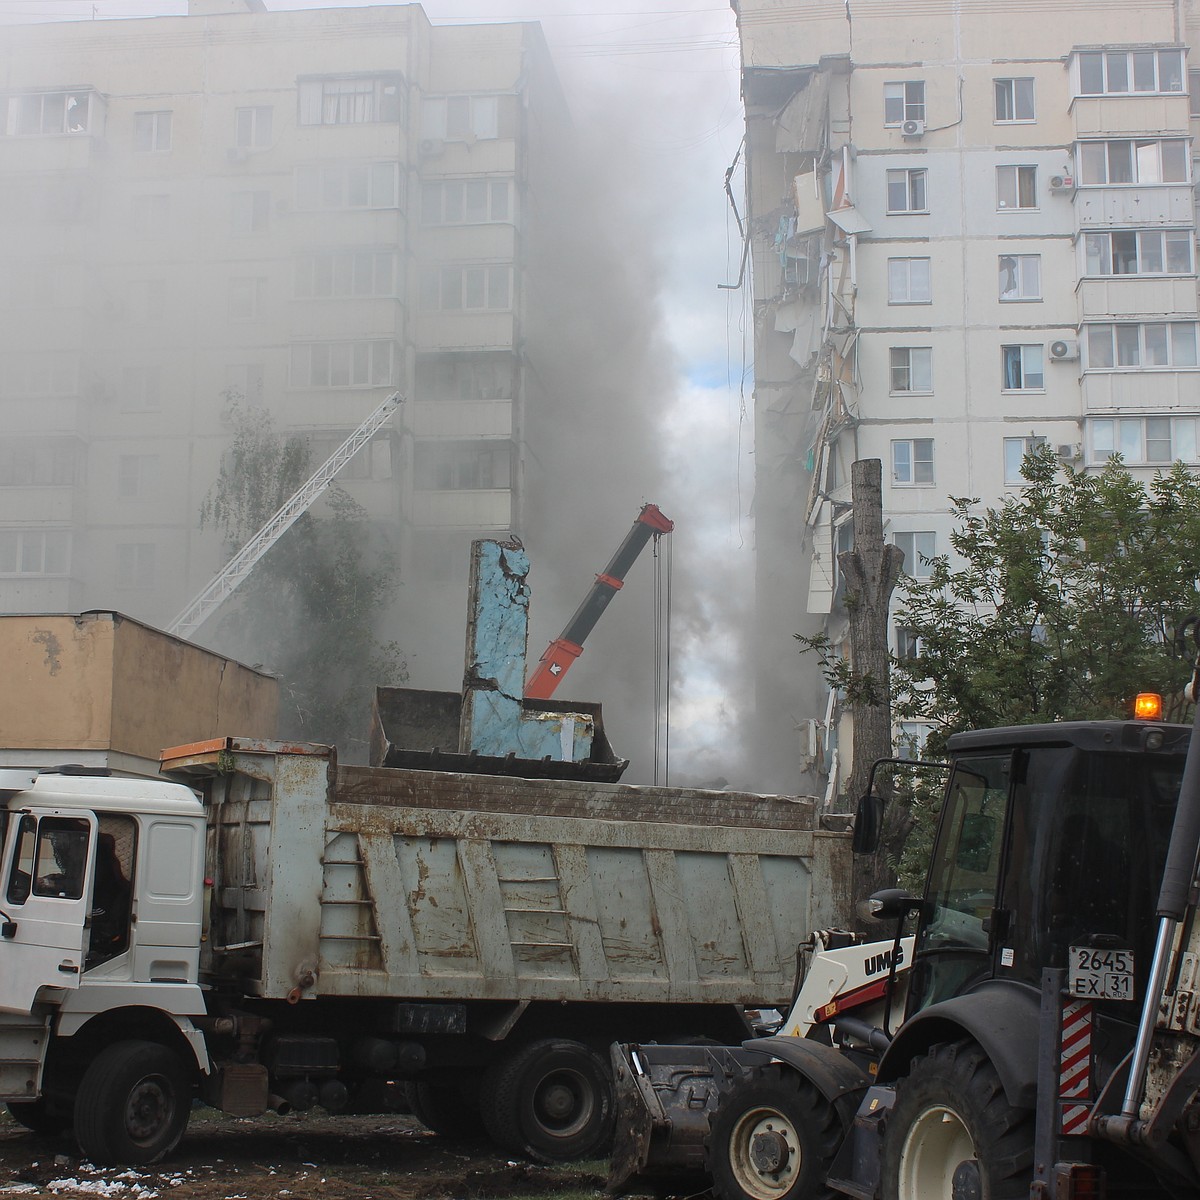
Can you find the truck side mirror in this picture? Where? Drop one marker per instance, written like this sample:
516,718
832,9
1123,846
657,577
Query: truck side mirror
868,824
891,904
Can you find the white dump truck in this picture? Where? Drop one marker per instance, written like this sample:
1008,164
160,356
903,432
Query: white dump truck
276,929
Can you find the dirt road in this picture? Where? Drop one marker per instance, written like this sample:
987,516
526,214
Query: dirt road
296,1157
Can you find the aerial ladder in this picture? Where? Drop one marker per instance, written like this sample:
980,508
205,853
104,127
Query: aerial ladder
223,584
568,646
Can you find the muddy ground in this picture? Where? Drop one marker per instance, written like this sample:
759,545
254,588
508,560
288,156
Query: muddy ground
297,1157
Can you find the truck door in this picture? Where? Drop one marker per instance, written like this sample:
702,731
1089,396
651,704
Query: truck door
46,892
953,946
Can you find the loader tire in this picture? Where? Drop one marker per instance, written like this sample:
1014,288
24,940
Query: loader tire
133,1104
551,1100
951,1117
773,1137
39,1117
449,1111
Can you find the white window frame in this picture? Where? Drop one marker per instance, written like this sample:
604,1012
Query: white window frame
910,370
1015,449
250,212
447,466
1130,436
464,117
35,553
903,100
1101,247
1193,93
141,387
1025,271
137,475
253,126
915,181
52,118
1014,93
371,185
1027,355
1146,162
39,373
912,460
150,213
908,282
39,462
466,287
908,644
1127,345
247,297
1016,183
352,272
457,201
322,366
152,131
351,100
919,547
135,566
1120,70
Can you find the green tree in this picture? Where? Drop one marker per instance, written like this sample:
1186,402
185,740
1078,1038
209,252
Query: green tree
310,609
1062,603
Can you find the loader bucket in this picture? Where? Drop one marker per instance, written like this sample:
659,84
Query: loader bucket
664,1097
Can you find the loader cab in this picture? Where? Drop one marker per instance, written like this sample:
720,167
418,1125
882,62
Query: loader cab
1050,837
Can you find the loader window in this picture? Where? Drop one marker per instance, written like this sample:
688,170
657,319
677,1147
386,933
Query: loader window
20,872
62,846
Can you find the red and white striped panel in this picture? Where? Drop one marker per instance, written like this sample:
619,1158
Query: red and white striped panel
1075,1065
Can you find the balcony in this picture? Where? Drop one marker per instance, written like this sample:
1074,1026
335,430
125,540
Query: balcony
477,509
1132,297
462,418
1129,204
1129,391
1110,116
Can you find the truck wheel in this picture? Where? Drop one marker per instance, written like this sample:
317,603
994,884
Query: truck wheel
133,1104
449,1111
39,1117
951,1119
551,1100
772,1137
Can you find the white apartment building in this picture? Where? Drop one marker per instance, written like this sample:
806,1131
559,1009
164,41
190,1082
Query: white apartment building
972,227
303,210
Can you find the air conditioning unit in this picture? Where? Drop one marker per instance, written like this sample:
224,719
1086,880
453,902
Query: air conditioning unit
912,129
1068,451
432,147
1064,350
1062,183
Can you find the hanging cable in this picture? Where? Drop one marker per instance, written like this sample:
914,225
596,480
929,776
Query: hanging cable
667,672
657,656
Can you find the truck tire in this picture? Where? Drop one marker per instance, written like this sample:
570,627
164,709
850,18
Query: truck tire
772,1137
551,1100
133,1104
39,1117
951,1116
444,1109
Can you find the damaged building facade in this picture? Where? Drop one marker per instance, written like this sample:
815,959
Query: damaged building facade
972,229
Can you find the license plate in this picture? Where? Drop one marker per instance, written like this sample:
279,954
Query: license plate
1101,974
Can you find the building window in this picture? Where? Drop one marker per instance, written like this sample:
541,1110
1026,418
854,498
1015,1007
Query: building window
1194,93
1119,72
252,127
38,463
35,551
339,274
466,289
250,213
904,102
466,201
465,377
141,388
1014,100
367,185
462,466
1020,276
41,114
353,100
466,118
152,132
151,214
910,281
247,297
1124,344
1016,187
908,644
40,374
135,565
1021,368
906,190
1015,450
1148,440
137,475
1121,161
1139,252
919,548
244,382
911,369
343,364
912,461
373,461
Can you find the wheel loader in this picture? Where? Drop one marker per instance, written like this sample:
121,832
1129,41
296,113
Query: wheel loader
1040,1039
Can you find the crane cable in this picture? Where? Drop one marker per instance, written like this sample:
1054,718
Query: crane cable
662,663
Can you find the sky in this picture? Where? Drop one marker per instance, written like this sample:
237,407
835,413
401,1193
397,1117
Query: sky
668,71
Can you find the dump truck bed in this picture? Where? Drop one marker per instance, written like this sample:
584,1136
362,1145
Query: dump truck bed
439,886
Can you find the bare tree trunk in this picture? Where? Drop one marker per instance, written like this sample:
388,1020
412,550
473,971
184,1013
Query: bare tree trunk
871,570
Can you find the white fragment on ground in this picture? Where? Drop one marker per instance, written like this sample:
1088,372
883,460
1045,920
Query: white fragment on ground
17,1189
88,1187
